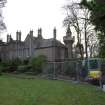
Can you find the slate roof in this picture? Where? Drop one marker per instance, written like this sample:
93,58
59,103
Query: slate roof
50,43
40,42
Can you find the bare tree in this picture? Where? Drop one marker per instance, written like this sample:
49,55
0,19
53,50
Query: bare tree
79,18
2,24
73,20
93,44
87,27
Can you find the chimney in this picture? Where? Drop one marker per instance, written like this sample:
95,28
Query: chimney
31,32
8,38
19,36
40,33
54,33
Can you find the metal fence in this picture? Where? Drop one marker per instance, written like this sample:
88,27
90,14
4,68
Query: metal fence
64,70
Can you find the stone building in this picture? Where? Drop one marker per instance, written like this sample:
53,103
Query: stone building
33,46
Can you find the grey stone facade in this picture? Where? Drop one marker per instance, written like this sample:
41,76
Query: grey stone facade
32,46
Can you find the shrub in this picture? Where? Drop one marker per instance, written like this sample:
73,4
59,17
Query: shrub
26,61
37,64
23,68
11,65
0,70
15,62
2,67
5,66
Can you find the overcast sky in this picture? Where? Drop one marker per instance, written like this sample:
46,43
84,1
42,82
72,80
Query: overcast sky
30,14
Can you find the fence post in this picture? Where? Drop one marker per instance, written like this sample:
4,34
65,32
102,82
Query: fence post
100,82
77,71
54,74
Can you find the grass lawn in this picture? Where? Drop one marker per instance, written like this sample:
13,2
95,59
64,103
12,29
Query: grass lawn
15,91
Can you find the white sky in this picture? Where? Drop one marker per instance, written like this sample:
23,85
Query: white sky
32,14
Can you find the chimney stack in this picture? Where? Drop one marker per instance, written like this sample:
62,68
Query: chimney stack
18,36
31,32
54,33
8,38
40,33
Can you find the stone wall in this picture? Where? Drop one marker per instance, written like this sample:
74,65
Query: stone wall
52,53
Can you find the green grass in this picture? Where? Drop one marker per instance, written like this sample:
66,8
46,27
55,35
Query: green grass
15,91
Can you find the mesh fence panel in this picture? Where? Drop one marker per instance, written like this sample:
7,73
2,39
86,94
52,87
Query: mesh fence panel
66,69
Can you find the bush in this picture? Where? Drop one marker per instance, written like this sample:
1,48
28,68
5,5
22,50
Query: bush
37,64
9,68
0,70
15,62
11,65
2,67
26,61
23,68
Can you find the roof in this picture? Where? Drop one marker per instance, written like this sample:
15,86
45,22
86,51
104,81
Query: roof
50,43
39,42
